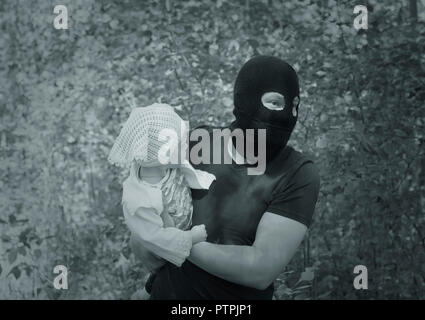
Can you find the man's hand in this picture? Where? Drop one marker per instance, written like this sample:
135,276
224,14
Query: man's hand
256,266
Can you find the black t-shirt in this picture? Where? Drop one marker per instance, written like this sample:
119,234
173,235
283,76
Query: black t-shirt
231,211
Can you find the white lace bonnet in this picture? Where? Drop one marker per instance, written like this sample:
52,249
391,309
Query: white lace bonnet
140,141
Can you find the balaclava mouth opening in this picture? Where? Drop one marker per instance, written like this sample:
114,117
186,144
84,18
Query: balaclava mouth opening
259,75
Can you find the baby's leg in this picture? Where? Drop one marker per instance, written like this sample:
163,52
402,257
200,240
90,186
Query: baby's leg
168,221
149,260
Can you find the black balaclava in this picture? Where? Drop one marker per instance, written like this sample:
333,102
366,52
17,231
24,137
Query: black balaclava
259,75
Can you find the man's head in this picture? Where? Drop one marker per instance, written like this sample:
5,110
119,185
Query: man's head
266,96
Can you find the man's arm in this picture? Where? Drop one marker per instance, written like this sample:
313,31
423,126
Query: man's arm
256,266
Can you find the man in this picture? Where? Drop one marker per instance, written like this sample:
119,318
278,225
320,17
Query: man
255,223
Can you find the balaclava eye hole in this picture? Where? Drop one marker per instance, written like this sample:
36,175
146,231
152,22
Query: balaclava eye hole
295,105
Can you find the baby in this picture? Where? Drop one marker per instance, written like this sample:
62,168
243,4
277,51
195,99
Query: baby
156,198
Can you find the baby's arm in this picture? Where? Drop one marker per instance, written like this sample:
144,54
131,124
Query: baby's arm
169,243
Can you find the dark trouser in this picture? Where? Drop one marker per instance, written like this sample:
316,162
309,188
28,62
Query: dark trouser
149,283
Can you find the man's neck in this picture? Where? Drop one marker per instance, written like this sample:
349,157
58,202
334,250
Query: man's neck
236,156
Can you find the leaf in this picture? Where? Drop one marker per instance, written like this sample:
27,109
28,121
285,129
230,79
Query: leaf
22,251
12,219
16,272
28,270
284,291
301,288
307,275
37,253
23,237
113,24
227,102
253,43
13,254
324,295
322,142
301,296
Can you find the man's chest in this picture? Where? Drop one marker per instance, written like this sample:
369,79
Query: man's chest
232,208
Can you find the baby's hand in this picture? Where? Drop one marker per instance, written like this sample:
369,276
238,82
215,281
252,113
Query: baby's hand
198,233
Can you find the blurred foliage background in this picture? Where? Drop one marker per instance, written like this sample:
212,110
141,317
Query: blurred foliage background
64,95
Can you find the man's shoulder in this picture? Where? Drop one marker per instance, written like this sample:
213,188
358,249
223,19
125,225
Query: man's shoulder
301,164
296,193
299,155
306,171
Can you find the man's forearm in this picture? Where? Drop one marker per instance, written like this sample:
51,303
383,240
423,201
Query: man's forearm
256,266
233,263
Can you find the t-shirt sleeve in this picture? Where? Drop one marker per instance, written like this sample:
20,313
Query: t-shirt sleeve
297,198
